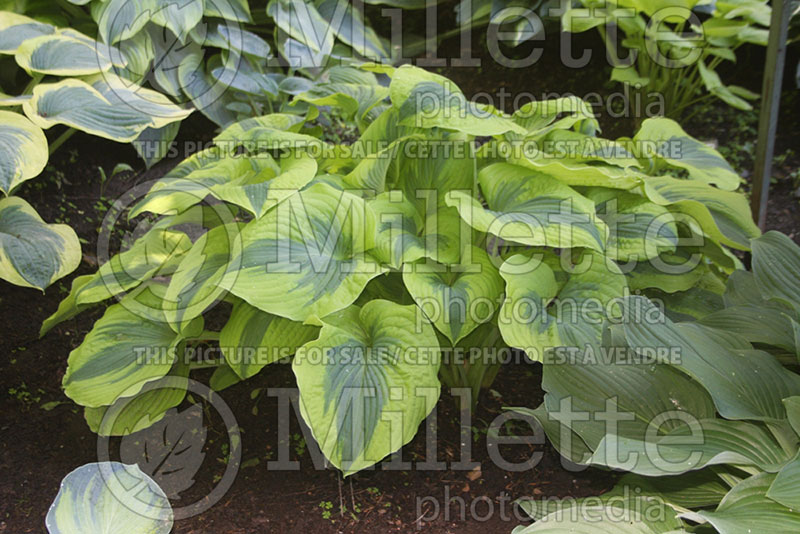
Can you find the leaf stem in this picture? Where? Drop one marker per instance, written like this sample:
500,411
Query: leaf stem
61,139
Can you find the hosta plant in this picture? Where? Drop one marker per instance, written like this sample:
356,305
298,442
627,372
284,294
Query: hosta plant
398,261
672,49
708,433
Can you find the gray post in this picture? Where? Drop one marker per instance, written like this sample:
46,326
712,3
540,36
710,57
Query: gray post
770,102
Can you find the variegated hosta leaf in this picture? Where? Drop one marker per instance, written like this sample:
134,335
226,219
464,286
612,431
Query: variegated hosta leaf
744,383
132,414
399,237
32,252
530,208
103,113
670,272
724,216
351,28
15,29
567,145
252,339
234,10
302,22
64,53
776,268
585,293
121,353
638,229
118,20
97,498
261,191
23,150
356,100
154,253
539,117
192,180
67,308
569,172
747,509
457,298
307,257
664,141
431,105
367,382
153,144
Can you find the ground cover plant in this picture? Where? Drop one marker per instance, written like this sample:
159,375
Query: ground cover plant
376,265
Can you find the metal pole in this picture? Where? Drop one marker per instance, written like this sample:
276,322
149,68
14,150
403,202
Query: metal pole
770,102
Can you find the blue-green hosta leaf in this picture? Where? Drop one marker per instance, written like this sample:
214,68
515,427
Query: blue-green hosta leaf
638,515
724,216
97,498
204,274
307,257
744,383
23,150
64,53
208,96
456,298
758,324
792,405
530,208
118,20
252,339
776,268
351,28
238,73
122,353
123,94
367,382
693,445
15,29
638,229
32,252
746,509
180,16
259,192
149,406
302,22
676,148
585,293
244,41
698,489
784,489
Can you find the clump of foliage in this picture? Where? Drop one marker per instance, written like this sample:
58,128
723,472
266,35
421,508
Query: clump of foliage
379,263
709,435
672,49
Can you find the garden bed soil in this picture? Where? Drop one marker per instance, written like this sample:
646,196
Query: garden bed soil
43,435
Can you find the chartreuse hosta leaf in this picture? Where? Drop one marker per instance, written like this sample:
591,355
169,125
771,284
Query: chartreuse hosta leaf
724,216
252,339
530,208
32,252
260,191
457,298
64,53
356,100
399,236
121,354
97,498
23,150
132,414
308,256
664,141
368,381
539,117
745,383
638,229
670,272
747,509
204,274
581,295
16,29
